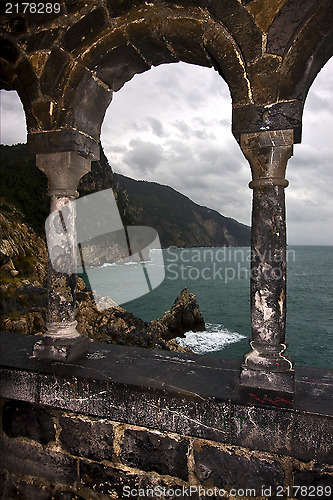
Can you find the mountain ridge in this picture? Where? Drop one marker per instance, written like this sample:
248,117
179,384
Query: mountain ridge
175,216
179,221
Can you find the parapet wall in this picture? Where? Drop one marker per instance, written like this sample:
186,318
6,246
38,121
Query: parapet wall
127,422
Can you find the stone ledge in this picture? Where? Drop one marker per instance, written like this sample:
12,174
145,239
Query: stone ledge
181,393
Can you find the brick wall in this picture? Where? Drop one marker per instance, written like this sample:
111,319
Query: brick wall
49,453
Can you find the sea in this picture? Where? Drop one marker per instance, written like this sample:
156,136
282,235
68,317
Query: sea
220,279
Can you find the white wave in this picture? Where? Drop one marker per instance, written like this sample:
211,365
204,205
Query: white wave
213,339
124,263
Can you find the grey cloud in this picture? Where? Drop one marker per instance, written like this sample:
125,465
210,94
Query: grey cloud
319,103
156,126
144,156
13,128
195,128
116,149
183,128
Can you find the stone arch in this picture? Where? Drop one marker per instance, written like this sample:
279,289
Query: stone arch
312,47
17,73
68,65
88,72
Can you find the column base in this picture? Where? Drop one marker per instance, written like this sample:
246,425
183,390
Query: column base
59,349
282,382
61,342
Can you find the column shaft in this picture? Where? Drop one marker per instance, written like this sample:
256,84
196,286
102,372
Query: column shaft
61,341
267,365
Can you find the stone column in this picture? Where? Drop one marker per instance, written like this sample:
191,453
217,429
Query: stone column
267,365
61,341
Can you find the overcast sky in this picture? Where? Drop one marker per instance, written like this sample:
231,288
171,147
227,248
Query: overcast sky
172,125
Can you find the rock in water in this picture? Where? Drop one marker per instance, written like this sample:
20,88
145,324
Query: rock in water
118,326
184,316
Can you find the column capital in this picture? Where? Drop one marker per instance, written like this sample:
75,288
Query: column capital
63,170
268,153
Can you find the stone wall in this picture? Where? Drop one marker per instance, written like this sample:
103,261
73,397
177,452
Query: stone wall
126,419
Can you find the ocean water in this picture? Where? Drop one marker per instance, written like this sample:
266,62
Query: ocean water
219,277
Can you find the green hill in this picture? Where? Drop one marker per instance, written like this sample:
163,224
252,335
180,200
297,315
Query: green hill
181,222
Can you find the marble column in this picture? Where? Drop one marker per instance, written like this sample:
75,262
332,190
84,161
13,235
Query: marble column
61,341
268,365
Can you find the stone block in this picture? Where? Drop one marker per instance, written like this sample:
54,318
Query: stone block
19,385
107,480
154,452
262,428
85,31
120,65
62,141
89,101
228,468
226,61
115,38
132,405
186,38
9,51
55,73
27,76
194,418
299,66
26,420
47,120
313,484
240,24
280,116
312,437
279,35
87,437
73,394
263,75
42,40
119,7
144,35
22,458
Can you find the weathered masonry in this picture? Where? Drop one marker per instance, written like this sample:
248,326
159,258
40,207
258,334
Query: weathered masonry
141,419
252,419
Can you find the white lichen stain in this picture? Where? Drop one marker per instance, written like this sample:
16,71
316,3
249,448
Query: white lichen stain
261,304
281,302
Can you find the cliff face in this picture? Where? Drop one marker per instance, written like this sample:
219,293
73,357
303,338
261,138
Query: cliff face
23,269
179,221
102,177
